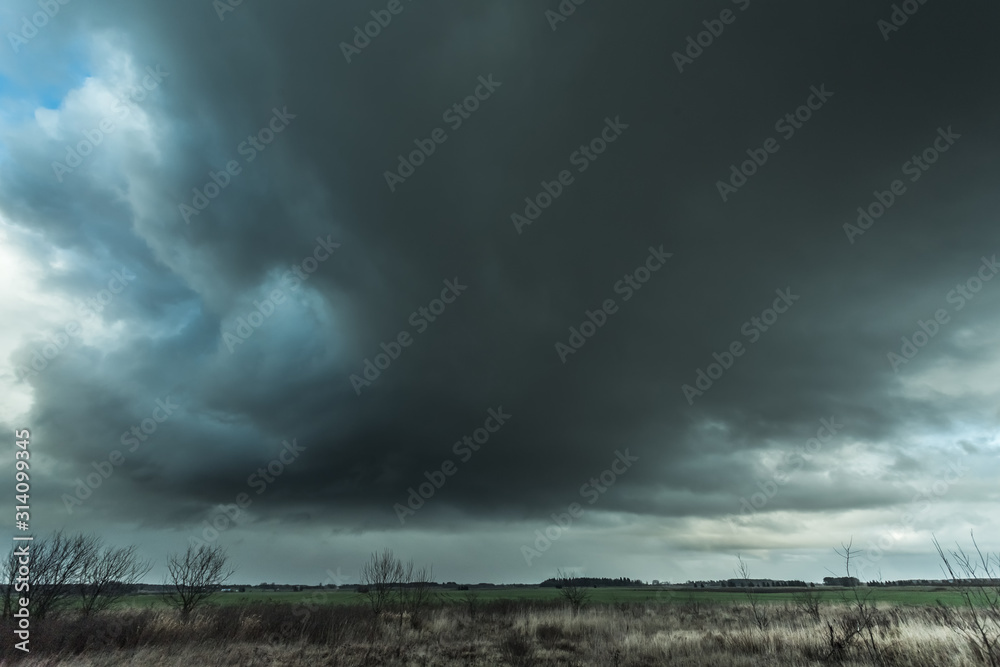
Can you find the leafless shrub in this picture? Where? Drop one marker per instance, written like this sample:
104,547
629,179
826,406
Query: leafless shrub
864,619
195,576
808,602
107,575
381,577
975,576
56,565
8,575
575,594
389,584
760,615
841,638
415,593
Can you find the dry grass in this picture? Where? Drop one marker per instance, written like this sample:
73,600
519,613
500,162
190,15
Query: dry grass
500,633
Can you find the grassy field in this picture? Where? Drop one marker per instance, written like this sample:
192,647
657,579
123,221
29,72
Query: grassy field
909,596
286,631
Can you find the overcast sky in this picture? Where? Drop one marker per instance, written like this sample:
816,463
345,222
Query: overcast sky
215,219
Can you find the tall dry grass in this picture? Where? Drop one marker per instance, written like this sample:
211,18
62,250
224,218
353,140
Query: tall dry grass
497,633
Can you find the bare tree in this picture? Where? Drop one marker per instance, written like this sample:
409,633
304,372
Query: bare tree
62,565
979,588
381,578
571,591
415,591
809,601
760,616
862,622
8,575
196,576
109,574
56,566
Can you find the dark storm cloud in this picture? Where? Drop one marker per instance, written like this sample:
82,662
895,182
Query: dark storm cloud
323,176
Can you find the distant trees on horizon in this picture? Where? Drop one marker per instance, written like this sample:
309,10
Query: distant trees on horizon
590,582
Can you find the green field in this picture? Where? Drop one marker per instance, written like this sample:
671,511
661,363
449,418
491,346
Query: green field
912,596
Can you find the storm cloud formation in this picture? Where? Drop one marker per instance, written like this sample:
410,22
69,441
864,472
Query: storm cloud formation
590,207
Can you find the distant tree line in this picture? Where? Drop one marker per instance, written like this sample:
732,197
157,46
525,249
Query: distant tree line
590,582
848,582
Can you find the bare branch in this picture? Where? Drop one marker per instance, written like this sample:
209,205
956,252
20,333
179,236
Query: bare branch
195,576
